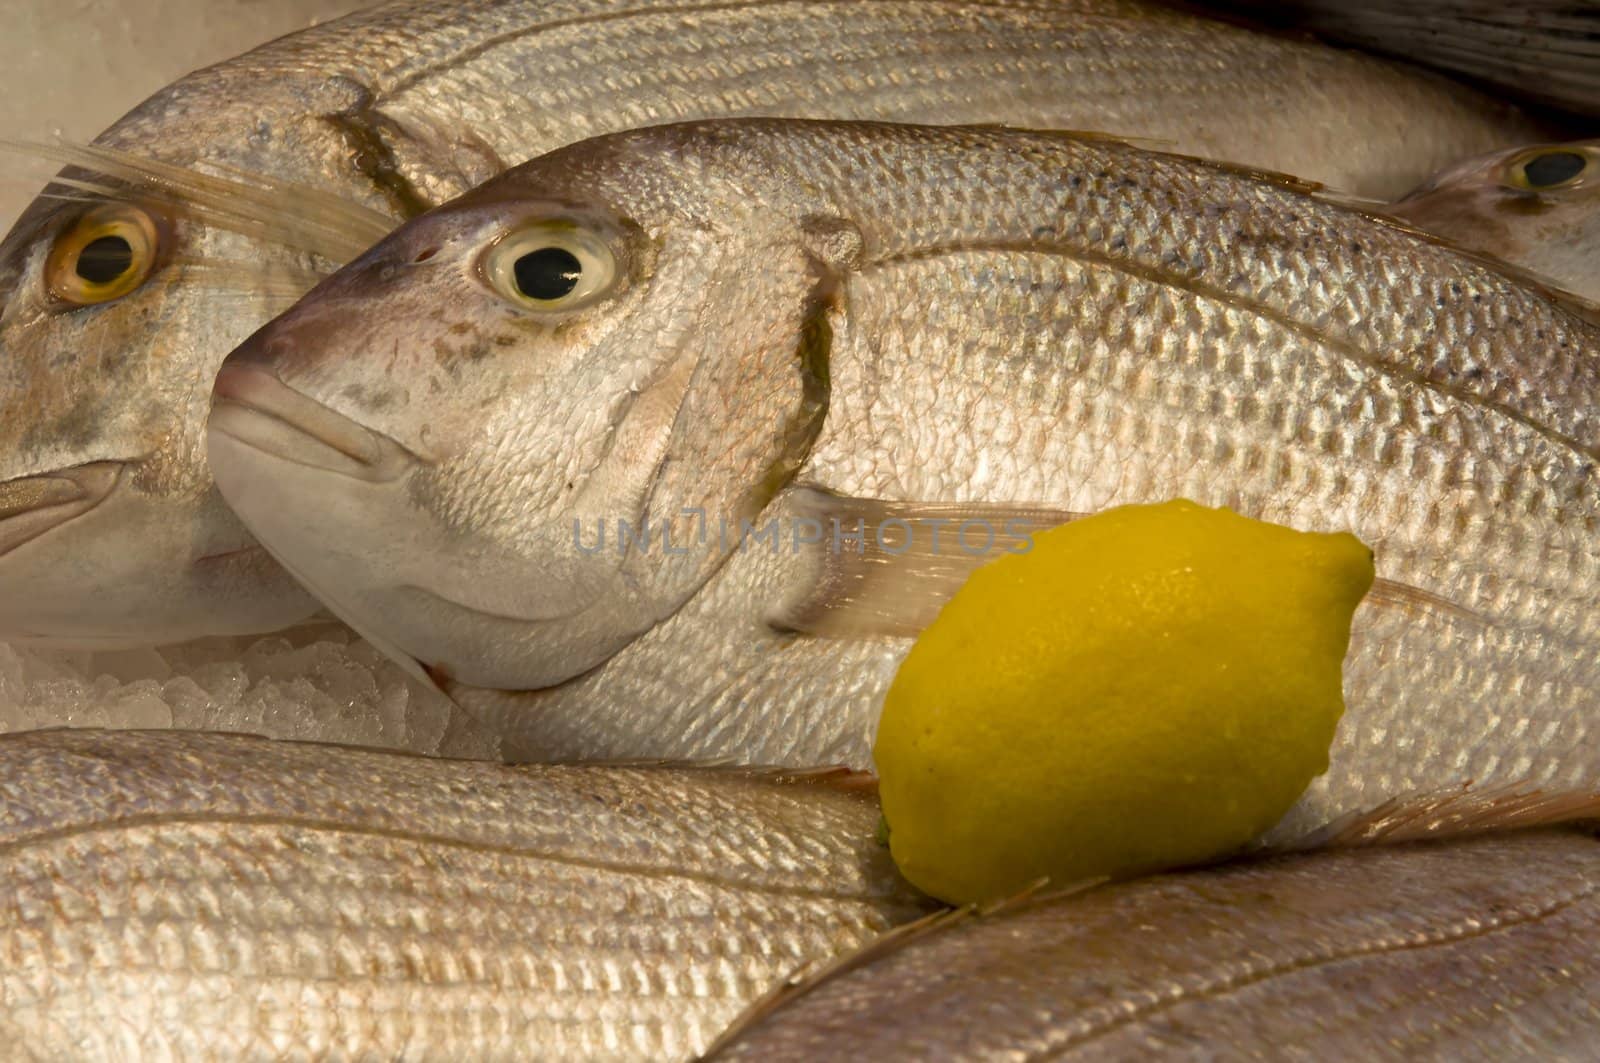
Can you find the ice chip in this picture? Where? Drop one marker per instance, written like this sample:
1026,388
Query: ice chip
318,682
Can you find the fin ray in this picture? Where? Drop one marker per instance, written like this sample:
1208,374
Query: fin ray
889,567
320,223
1447,813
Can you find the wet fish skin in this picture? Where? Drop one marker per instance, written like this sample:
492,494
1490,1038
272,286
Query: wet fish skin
1008,319
1481,204
406,105
1475,949
1542,50
220,896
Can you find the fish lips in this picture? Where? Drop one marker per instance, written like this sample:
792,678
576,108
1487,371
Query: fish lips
253,407
36,505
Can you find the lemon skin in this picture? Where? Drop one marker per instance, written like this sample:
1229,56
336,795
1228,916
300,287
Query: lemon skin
1146,688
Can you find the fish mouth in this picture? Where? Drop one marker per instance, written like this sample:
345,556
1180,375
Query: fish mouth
34,505
253,407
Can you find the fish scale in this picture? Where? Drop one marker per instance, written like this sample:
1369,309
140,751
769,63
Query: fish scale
374,118
211,896
1026,320
1471,950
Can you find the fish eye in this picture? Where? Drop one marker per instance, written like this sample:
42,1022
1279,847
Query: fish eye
107,253
1546,169
551,265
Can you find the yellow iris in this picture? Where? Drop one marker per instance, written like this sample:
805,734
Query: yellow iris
104,255
1547,169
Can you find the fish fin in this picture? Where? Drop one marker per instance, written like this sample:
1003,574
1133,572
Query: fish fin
887,568
892,578
1415,600
1375,211
804,981
1369,209
832,776
319,222
249,278
1447,813
1547,52
1093,135
1277,178
848,780
1039,891
1163,147
1351,201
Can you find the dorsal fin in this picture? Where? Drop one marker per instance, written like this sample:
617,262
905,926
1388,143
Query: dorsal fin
830,776
1452,812
1372,211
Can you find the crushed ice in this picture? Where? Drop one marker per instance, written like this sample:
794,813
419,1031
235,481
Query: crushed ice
319,682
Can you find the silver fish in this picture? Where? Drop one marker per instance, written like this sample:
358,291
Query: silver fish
1547,51
1477,949
217,202
1536,206
751,340
178,894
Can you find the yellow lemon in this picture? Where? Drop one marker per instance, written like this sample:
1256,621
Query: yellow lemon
1149,687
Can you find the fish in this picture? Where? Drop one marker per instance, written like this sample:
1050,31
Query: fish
216,203
644,448
1468,949
1545,51
1537,206
221,896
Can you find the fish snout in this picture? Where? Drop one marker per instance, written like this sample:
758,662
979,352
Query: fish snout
288,347
250,405
34,505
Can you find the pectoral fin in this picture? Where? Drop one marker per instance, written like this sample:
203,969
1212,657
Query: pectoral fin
885,569
1417,817
1389,594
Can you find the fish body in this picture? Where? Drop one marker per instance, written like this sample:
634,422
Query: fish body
777,339
1542,50
176,894
235,188
1536,206
1475,949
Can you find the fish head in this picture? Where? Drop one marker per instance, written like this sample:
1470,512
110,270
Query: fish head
529,425
121,289
1536,207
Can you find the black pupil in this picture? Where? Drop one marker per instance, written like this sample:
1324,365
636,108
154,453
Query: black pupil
1555,168
105,259
548,273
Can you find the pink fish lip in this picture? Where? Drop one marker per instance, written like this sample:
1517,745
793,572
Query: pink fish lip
32,506
252,407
